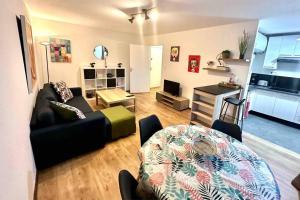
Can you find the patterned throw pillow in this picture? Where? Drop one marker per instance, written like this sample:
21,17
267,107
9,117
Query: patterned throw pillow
64,92
66,112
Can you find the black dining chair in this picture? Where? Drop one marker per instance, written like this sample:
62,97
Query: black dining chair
232,130
128,185
148,126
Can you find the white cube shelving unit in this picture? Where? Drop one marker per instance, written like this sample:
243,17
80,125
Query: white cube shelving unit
93,79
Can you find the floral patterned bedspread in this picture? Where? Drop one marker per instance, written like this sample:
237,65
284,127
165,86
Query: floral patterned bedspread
173,168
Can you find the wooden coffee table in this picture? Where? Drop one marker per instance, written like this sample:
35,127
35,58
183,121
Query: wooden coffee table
115,96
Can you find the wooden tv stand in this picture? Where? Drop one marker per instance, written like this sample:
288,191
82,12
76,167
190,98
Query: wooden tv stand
178,103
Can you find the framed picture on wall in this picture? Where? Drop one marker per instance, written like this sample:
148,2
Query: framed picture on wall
60,50
25,33
174,55
194,63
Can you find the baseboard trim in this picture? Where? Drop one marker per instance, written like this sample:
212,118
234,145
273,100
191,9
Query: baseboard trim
281,121
36,186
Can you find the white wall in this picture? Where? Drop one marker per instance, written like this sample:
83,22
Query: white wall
207,42
17,169
83,41
283,69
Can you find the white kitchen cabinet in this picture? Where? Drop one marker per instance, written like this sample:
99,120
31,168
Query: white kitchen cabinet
272,52
288,44
285,107
297,48
279,105
261,43
297,117
264,102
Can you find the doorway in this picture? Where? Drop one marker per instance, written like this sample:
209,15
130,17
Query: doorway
145,67
156,66
273,99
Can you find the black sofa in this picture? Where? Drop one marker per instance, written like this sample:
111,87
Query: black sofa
54,140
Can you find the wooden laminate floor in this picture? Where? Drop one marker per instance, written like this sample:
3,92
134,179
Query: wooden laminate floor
95,175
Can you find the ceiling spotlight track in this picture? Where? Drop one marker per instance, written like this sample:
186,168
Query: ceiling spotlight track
144,12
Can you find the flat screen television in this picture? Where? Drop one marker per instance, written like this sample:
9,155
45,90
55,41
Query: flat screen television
171,87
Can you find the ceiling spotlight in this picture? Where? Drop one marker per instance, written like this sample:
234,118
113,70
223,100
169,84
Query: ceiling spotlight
139,15
131,19
145,11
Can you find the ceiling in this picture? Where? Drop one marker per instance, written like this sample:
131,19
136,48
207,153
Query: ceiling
174,15
288,23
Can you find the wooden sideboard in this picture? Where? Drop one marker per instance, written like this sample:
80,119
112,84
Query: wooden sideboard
178,103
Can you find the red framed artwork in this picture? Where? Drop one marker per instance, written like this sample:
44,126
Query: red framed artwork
194,63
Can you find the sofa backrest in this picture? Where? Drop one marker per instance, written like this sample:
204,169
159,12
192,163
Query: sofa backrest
43,115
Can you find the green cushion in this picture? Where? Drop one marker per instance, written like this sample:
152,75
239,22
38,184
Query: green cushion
122,121
66,112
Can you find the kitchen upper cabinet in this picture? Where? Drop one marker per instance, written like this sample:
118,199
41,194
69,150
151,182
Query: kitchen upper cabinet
288,44
297,117
263,102
272,52
297,47
285,107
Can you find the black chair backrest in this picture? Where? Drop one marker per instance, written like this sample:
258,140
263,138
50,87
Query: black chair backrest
232,130
148,126
128,185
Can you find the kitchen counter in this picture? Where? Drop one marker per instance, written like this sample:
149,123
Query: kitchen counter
215,89
207,103
252,87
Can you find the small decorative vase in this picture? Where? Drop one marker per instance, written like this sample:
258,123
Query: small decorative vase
92,65
242,56
226,54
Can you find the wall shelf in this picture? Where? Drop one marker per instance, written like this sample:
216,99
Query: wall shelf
218,69
236,61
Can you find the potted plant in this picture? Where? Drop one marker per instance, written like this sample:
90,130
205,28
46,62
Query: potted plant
243,44
226,54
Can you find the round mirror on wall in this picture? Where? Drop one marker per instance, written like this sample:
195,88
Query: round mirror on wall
100,52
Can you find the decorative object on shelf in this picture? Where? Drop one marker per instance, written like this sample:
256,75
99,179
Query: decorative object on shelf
110,75
46,44
226,54
220,60
174,55
120,65
194,63
60,50
230,85
243,44
27,46
90,94
92,65
210,63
